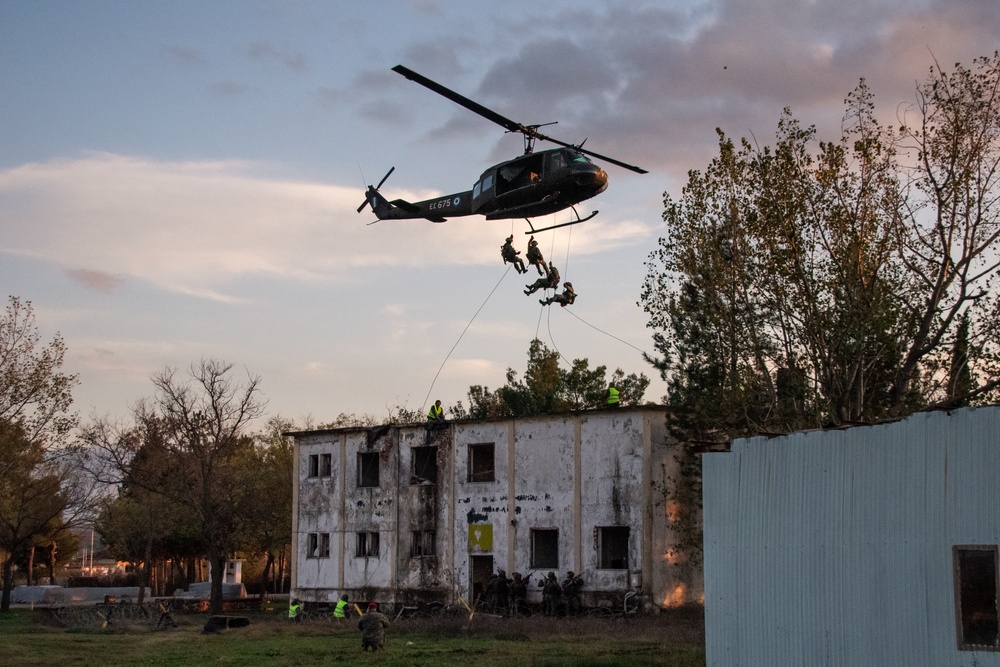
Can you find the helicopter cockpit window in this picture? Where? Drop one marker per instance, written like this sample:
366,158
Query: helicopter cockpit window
477,189
557,160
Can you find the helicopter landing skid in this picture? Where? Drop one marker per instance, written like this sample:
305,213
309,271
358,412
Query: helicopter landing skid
564,224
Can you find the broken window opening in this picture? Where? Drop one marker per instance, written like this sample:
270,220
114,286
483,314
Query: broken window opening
318,545
326,465
423,543
424,465
976,597
545,548
312,549
481,463
324,545
367,545
314,465
612,547
368,463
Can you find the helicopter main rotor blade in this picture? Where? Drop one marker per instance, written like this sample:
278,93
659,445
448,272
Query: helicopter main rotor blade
578,149
530,131
475,107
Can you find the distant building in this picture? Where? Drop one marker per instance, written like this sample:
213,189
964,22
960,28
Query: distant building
410,513
870,545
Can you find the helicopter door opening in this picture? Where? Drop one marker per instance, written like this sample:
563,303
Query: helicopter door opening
519,173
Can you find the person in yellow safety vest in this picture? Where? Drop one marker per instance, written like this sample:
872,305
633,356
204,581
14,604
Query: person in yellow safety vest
341,610
436,413
613,398
293,609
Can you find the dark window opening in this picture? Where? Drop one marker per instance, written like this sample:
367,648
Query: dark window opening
423,543
314,465
324,545
612,545
326,465
976,597
367,469
424,465
545,549
481,466
318,545
367,545
312,550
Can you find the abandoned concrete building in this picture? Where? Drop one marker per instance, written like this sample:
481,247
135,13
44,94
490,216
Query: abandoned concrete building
419,512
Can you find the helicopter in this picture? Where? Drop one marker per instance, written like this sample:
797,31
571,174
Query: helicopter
532,184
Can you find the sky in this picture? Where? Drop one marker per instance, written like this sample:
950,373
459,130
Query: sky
179,181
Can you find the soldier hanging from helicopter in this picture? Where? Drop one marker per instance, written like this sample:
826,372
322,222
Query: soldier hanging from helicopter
567,297
549,281
510,255
535,257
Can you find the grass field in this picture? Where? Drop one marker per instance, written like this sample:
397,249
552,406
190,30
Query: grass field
674,639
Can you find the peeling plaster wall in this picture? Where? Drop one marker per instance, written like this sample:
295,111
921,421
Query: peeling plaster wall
574,473
612,493
318,499
371,509
425,507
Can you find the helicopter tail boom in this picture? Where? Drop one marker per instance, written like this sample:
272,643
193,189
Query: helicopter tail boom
435,210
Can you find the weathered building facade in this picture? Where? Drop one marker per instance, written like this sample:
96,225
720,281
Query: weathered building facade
413,513
872,545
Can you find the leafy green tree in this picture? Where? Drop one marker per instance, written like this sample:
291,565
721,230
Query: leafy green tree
548,389
31,498
33,391
268,529
824,282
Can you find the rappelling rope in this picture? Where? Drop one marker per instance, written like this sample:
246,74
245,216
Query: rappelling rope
429,390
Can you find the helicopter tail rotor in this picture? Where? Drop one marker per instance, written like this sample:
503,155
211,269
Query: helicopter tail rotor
370,197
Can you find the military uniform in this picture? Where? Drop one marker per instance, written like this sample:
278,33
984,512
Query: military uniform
571,591
550,281
535,257
511,256
551,594
372,625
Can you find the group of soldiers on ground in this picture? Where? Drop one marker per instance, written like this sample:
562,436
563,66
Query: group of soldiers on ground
505,596
508,596
550,277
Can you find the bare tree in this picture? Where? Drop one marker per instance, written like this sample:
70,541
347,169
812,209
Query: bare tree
188,445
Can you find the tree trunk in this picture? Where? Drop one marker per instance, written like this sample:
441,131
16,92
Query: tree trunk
147,567
265,575
31,565
8,583
52,563
218,565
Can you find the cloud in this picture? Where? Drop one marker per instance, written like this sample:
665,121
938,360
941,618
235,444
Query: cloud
650,84
291,60
203,228
185,56
99,281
